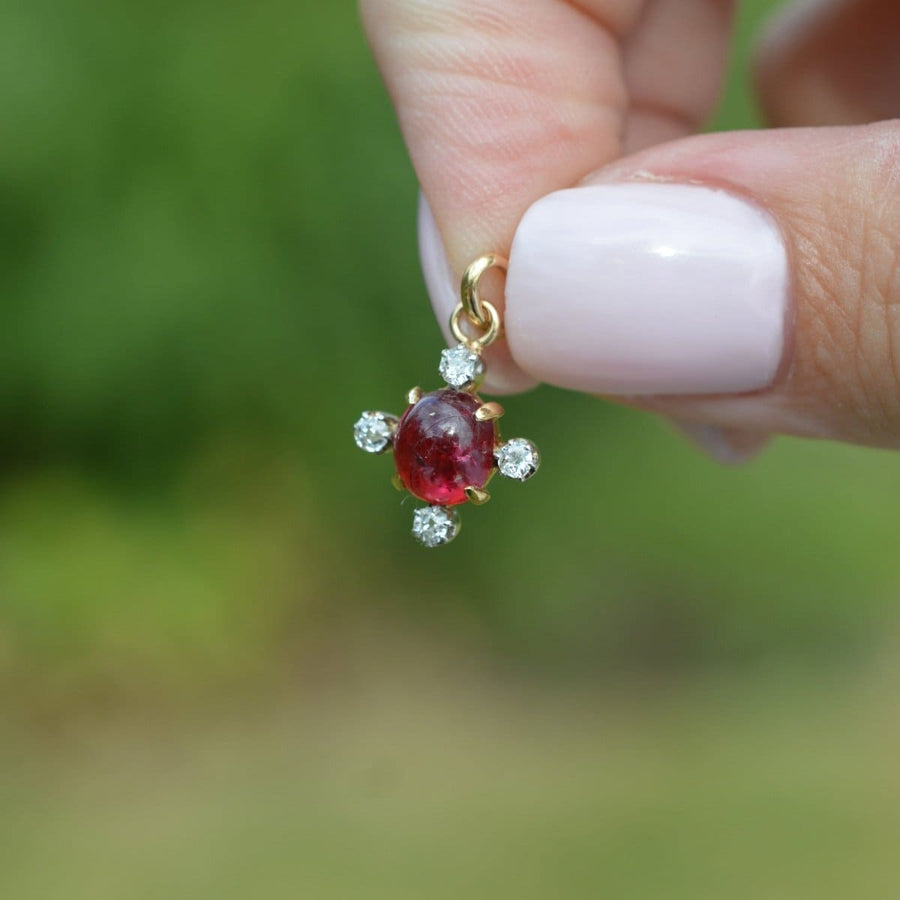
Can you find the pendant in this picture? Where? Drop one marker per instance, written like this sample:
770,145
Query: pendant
447,445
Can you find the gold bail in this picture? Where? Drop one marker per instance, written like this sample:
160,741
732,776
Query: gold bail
482,314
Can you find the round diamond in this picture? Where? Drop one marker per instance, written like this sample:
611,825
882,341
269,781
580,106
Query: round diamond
518,459
435,525
373,431
461,367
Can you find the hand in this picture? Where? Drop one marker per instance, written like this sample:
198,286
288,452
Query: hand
744,283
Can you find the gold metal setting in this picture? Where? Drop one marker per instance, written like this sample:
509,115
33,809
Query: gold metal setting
481,314
489,411
438,524
469,296
492,327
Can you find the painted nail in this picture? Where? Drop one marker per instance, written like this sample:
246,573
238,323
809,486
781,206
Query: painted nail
728,446
503,375
643,289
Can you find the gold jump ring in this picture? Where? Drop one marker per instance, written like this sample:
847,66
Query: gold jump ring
472,303
491,326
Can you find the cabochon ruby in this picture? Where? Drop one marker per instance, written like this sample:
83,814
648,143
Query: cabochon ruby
440,448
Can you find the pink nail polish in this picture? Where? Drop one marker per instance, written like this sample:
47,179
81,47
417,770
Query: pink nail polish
728,446
653,288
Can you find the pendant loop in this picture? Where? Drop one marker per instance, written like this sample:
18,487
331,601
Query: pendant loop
492,326
472,303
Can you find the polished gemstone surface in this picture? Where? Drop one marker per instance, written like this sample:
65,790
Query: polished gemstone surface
440,448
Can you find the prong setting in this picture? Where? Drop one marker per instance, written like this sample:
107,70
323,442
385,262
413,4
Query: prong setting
487,412
477,496
414,395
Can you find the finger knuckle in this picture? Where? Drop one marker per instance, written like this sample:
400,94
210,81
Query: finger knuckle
849,261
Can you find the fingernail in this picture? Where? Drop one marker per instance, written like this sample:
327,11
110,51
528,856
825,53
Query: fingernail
648,289
503,375
439,281
728,446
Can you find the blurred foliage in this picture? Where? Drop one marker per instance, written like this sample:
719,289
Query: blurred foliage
240,676
426,779
208,268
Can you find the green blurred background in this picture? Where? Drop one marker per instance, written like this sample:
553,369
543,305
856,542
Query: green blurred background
226,670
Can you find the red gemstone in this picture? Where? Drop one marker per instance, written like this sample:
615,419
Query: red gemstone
440,448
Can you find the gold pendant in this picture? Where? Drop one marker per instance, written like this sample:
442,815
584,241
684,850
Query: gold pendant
447,445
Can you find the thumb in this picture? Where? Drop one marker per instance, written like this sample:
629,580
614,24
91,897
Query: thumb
743,280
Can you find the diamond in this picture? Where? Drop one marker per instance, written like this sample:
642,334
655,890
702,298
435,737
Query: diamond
461,367
373,431
435,525
518,459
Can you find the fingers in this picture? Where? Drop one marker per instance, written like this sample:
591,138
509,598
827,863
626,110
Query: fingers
503,101
499,102
744,280
674,64
497,105
832,62
728,446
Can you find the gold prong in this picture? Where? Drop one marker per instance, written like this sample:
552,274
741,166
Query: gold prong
415,395
488,411
477,496
397,483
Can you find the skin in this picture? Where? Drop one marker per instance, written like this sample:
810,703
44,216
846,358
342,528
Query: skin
503,101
